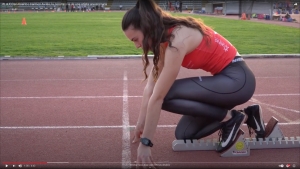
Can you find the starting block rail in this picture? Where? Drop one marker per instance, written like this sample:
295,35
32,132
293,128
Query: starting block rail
285,142
274,139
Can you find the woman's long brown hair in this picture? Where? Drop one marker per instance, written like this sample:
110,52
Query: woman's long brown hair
148,17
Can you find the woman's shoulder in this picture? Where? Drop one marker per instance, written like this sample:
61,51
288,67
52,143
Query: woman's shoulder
186,37
182,32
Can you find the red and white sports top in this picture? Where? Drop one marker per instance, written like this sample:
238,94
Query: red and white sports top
212,58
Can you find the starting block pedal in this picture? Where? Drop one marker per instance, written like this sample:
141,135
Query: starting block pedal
274,138
239,148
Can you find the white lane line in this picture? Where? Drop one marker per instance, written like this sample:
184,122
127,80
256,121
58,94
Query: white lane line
264,95
126,152
33,80
104,97
24,80
273,111
103,127
68,97
278,77
279,115
60,127
270,105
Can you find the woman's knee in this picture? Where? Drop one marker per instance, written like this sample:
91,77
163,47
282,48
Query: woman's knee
188,132
189,126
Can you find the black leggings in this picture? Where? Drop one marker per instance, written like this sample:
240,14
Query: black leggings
205,101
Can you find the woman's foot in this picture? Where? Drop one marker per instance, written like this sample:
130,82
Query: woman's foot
230,130
255,120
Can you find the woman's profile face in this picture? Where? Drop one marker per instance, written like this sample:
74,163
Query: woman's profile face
135,35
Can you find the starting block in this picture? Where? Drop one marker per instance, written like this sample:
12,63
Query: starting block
274,138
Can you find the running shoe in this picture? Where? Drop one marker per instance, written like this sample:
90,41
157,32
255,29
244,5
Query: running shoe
230,130
255,120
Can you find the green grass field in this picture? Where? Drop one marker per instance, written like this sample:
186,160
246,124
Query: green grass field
50,34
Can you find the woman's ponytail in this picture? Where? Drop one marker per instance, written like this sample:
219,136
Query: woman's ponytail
153,28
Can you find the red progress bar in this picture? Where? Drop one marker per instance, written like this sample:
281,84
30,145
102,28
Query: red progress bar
18,163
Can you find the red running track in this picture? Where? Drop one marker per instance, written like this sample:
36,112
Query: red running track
78,113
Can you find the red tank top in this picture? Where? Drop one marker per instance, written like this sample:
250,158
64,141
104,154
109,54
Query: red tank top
212,58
